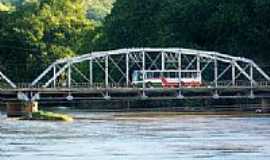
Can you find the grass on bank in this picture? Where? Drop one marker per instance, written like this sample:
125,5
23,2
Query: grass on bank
49,116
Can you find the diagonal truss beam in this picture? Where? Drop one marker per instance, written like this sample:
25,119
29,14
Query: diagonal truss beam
80,73
135,57
7,80
56,75
224,71
244,72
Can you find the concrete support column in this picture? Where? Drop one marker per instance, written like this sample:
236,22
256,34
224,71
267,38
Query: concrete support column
265,105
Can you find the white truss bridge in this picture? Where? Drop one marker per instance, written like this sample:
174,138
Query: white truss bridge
110,74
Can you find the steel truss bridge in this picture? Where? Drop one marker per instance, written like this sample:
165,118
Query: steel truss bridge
108,75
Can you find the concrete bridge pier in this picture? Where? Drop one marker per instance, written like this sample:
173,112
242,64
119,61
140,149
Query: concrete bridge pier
21,108
265,105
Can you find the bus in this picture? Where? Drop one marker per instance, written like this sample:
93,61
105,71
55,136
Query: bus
167,78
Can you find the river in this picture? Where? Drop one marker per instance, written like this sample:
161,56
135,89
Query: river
127,136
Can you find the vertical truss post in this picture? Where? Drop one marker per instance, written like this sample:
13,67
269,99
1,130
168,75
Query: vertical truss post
216,72
107,97
163,61
233,73
107,76
198,66
54,76
143,72
69,74
180,96
106,72
91,72
251,81
216,96
127,69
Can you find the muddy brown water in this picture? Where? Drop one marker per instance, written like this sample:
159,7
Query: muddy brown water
128,136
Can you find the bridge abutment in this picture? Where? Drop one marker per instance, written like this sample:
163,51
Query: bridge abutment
21,108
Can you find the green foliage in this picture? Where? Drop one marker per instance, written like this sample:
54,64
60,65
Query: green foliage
234,27
41,31
5,7
34,33
99,9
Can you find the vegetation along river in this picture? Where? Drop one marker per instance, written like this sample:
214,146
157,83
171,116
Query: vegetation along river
115,136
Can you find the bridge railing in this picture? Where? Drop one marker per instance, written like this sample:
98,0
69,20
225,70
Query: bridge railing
220,84
264,84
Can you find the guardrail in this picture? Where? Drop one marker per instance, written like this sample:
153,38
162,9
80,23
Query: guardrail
220,84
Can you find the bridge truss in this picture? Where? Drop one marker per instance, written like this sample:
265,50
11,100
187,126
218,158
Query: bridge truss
113,70
5,82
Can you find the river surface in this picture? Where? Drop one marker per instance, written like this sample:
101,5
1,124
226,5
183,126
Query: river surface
127,136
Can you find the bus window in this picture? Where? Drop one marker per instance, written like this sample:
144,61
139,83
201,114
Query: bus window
157,75
194,75
149,75
183,74
172,74
166,74
140,76
137,76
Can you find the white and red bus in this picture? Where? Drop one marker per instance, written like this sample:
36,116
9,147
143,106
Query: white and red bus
167,78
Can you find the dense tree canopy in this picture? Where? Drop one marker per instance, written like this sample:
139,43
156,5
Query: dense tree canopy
33,33
39,32
232,26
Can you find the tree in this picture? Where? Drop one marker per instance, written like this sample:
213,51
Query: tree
133,24
235,27
41,31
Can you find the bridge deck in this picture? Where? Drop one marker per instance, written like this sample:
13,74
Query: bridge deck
81,93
